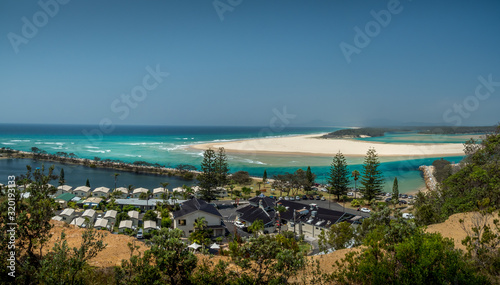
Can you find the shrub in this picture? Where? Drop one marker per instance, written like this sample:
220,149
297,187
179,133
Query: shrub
355,203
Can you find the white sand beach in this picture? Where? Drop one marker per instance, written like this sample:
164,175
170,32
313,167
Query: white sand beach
313,145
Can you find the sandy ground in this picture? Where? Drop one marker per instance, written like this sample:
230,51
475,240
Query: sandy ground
117,248
313,145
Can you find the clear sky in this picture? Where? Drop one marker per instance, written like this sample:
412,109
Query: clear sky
327,62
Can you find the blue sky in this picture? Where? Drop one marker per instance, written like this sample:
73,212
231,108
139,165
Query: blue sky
422,65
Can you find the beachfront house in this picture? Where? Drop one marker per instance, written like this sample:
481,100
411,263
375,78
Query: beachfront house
111,216
101,224
193,209
101,192
157,193
67,215
125,224
138,191
134,217
63,189
82,191
64,198
79,222
120,193
149,226
57,218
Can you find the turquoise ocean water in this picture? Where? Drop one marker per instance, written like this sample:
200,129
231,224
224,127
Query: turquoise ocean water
169,146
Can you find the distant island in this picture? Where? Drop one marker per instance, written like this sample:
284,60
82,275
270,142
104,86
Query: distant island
380,132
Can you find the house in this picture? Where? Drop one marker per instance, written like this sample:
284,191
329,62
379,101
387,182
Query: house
67,215
157,192
101,224
79,222
64,198
134,217
82,191
193,209
149,226
57,218
111,216
92,201
63,189
101,192
120,193
259,208
125,224
137,192
89,214
144,205
310,219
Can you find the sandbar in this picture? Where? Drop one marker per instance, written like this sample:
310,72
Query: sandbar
313,145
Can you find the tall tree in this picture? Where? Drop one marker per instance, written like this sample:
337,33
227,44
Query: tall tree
87,183
221,168
372,177
208,177
116,176
355,175
395,192
264,176
310,177
339,176
61,177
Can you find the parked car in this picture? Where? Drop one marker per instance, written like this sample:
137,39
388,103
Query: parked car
297,198
350,194
323,198
239,224
311,197
140,234
388,200
317,197
287,198
408,216
388,194
292,199
365,210
410,196
405,196
304,197
403,202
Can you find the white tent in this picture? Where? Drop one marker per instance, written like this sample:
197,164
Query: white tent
214,246
194,246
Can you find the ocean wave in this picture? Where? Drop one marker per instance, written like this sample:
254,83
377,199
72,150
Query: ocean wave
143,143
20,140
171,148
254,161
131,155
98,151
8,143
90,146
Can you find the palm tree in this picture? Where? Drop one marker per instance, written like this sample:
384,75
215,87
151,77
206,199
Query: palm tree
280,209
164,185
116,175
355,174
200,224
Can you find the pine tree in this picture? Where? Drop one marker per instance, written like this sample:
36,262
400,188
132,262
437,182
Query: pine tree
395,191
208,177
310,177
221,168
87,183
371,180
61,177
339,176
264,176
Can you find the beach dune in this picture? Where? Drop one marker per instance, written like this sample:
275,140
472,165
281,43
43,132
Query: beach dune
313,145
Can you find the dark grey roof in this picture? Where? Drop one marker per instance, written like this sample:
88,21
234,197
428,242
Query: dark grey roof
194,205
328,216
267,202
251,214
